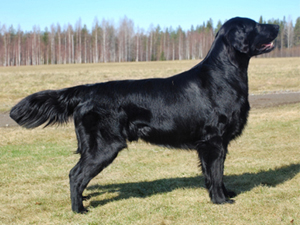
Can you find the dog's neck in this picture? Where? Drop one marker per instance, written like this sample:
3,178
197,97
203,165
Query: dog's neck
228,55
219,57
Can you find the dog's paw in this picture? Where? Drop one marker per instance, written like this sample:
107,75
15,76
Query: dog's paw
221,201
85,198
229,201
84,211
230,194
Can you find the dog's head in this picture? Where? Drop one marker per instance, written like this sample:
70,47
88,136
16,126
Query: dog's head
248,37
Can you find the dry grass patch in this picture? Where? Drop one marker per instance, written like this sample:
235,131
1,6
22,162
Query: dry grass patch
152,185
274,74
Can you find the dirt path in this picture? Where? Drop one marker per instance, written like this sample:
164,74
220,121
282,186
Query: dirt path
256,101
276,99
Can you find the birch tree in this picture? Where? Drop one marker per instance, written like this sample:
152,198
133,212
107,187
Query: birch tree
96,25
59,54
52,43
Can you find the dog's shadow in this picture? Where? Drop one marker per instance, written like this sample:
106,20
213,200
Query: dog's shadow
238,183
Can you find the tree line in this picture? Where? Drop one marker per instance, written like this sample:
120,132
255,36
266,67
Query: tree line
106,42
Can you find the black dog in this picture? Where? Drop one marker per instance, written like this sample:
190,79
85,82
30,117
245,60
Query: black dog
201,109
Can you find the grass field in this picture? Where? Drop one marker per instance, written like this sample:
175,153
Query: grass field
148,184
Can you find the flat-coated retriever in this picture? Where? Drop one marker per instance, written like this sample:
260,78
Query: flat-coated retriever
202,109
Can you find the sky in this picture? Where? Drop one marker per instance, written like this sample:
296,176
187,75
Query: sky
144,13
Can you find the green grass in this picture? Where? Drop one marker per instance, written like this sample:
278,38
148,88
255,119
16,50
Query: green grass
147,184
152,185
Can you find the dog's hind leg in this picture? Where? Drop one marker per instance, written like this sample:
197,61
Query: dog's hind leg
99,144
86,169
212,155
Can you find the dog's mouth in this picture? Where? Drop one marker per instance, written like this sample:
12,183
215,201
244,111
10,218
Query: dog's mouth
266,47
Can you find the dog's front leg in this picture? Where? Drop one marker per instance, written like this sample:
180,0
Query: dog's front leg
212,154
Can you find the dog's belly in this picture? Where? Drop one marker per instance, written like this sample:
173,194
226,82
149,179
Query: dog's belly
172,138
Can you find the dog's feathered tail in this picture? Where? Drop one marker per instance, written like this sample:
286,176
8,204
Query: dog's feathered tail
51,106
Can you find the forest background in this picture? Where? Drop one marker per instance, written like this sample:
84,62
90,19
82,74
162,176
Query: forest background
107,42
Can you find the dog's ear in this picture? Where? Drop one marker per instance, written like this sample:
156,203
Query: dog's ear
217,35
237,37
